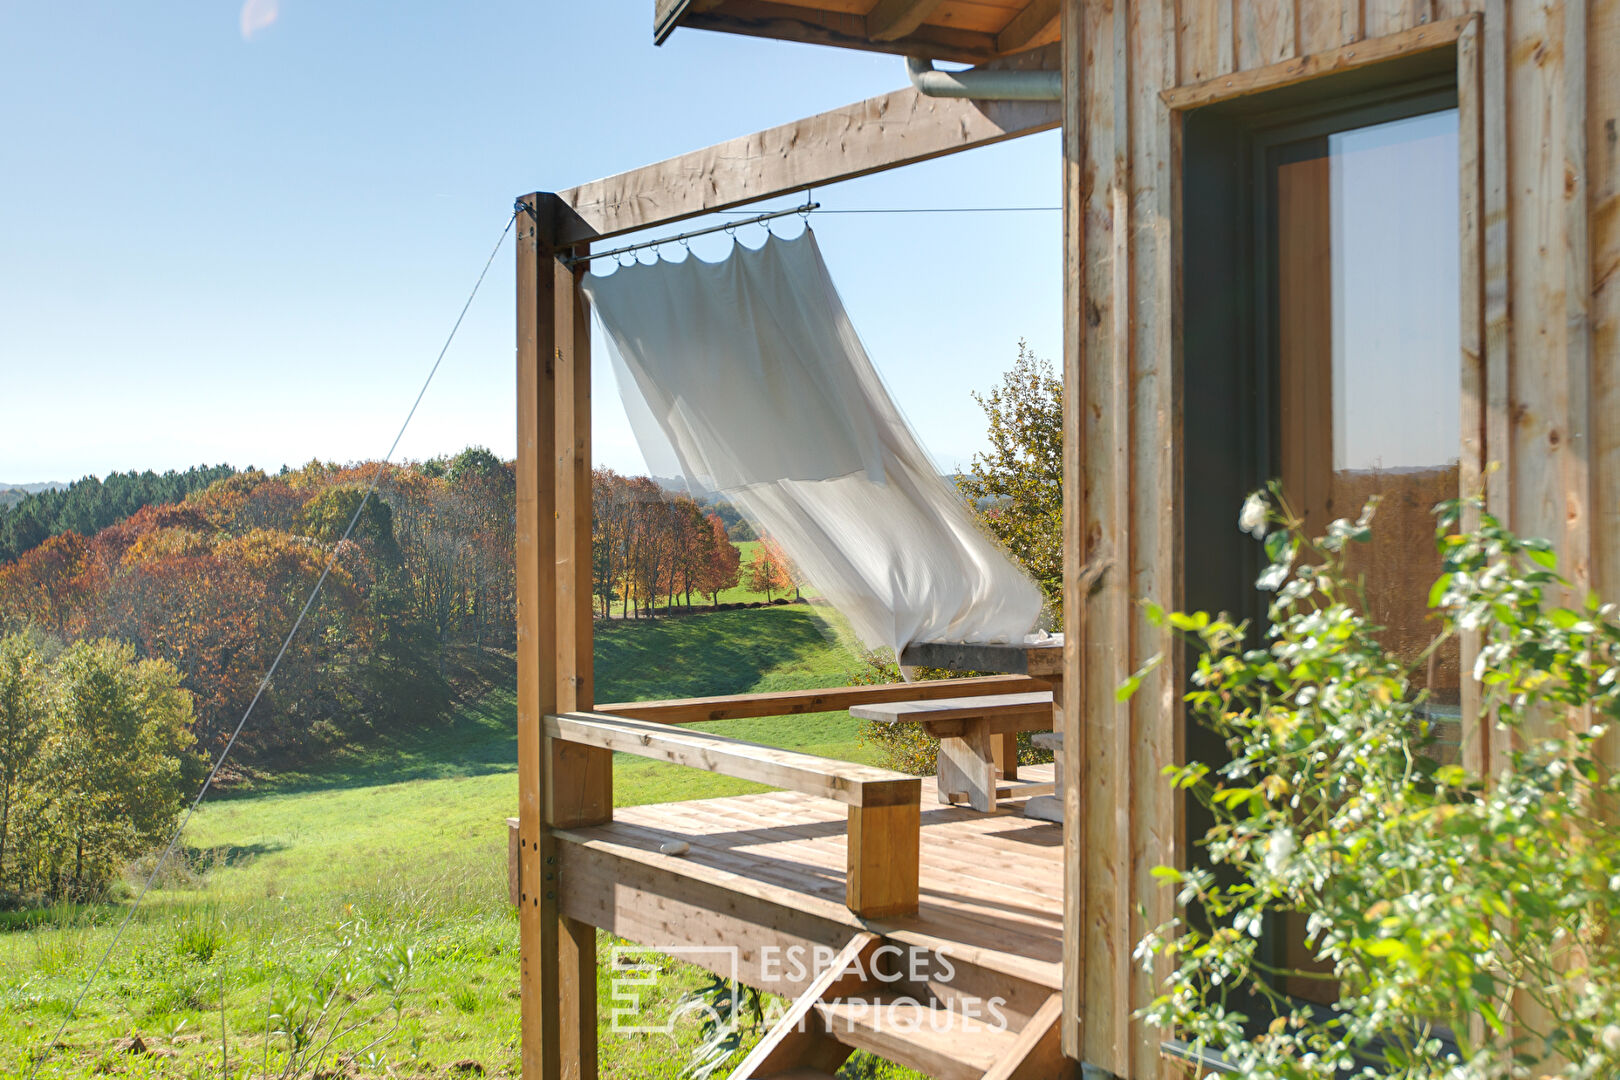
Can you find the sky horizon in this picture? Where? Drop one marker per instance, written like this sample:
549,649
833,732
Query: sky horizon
244,230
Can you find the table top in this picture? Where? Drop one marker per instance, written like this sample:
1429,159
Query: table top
1038,703
1041,659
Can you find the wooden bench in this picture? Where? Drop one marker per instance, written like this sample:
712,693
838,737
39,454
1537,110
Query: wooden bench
884,806
978,741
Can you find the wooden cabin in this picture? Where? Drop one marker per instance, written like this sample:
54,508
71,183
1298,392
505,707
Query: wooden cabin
1356,244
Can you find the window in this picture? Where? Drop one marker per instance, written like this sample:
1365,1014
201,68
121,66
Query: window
1366,302
1320,346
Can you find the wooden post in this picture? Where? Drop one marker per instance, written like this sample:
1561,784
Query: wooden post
884,846
557,784
1073,61
536,619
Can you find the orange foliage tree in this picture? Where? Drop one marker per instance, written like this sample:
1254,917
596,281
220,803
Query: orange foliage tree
770,571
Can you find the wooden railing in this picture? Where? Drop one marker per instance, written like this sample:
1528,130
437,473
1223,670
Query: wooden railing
830,699
884,807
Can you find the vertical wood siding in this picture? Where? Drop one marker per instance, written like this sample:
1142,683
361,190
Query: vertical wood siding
1543,349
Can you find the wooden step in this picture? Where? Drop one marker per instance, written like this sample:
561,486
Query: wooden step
799,1047
944,1043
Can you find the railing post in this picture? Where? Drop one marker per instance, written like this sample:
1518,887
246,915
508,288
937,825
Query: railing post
884,850
558,785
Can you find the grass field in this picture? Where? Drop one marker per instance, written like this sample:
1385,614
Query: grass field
310,888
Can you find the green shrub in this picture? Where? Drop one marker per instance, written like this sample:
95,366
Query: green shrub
1469,920
96,760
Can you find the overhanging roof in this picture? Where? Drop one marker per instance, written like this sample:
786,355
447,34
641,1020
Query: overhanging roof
972,31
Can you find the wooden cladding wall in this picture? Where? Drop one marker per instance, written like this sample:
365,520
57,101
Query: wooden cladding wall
1541,261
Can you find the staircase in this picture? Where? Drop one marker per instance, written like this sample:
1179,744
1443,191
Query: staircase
865,1000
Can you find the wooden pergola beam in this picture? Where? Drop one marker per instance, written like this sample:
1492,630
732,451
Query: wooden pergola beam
895,129
892,19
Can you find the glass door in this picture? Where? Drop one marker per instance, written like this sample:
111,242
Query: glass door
1365,304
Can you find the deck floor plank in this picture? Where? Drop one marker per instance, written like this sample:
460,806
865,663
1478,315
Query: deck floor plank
991,884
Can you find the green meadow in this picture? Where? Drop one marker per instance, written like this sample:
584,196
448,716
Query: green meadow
357,910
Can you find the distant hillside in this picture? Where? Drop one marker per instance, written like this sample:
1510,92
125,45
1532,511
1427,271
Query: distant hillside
12,494
88,505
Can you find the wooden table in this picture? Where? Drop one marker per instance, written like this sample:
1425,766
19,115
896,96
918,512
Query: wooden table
1041,660
978,741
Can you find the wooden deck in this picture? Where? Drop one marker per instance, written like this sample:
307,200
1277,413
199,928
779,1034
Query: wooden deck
768,870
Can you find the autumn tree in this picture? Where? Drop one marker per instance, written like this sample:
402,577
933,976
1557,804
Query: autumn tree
770,571
721,561
1017,485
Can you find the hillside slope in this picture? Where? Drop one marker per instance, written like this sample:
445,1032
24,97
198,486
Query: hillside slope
399,846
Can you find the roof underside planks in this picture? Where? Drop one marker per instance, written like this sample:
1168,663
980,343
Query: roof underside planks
971,31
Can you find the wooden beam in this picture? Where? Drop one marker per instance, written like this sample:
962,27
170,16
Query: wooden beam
1037,1054
1473,459
800,1039
581,777
1419,39
667,16
1073,65
1035,24
892,19
795,702
886,132
841,781
536,551
1041,660
817,26
665,902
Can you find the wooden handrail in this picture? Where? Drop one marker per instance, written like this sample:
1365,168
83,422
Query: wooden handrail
828,699
841,781
885,807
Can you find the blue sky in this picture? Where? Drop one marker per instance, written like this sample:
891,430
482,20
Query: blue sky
241,235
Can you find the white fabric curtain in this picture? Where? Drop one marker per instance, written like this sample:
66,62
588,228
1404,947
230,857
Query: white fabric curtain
752,373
